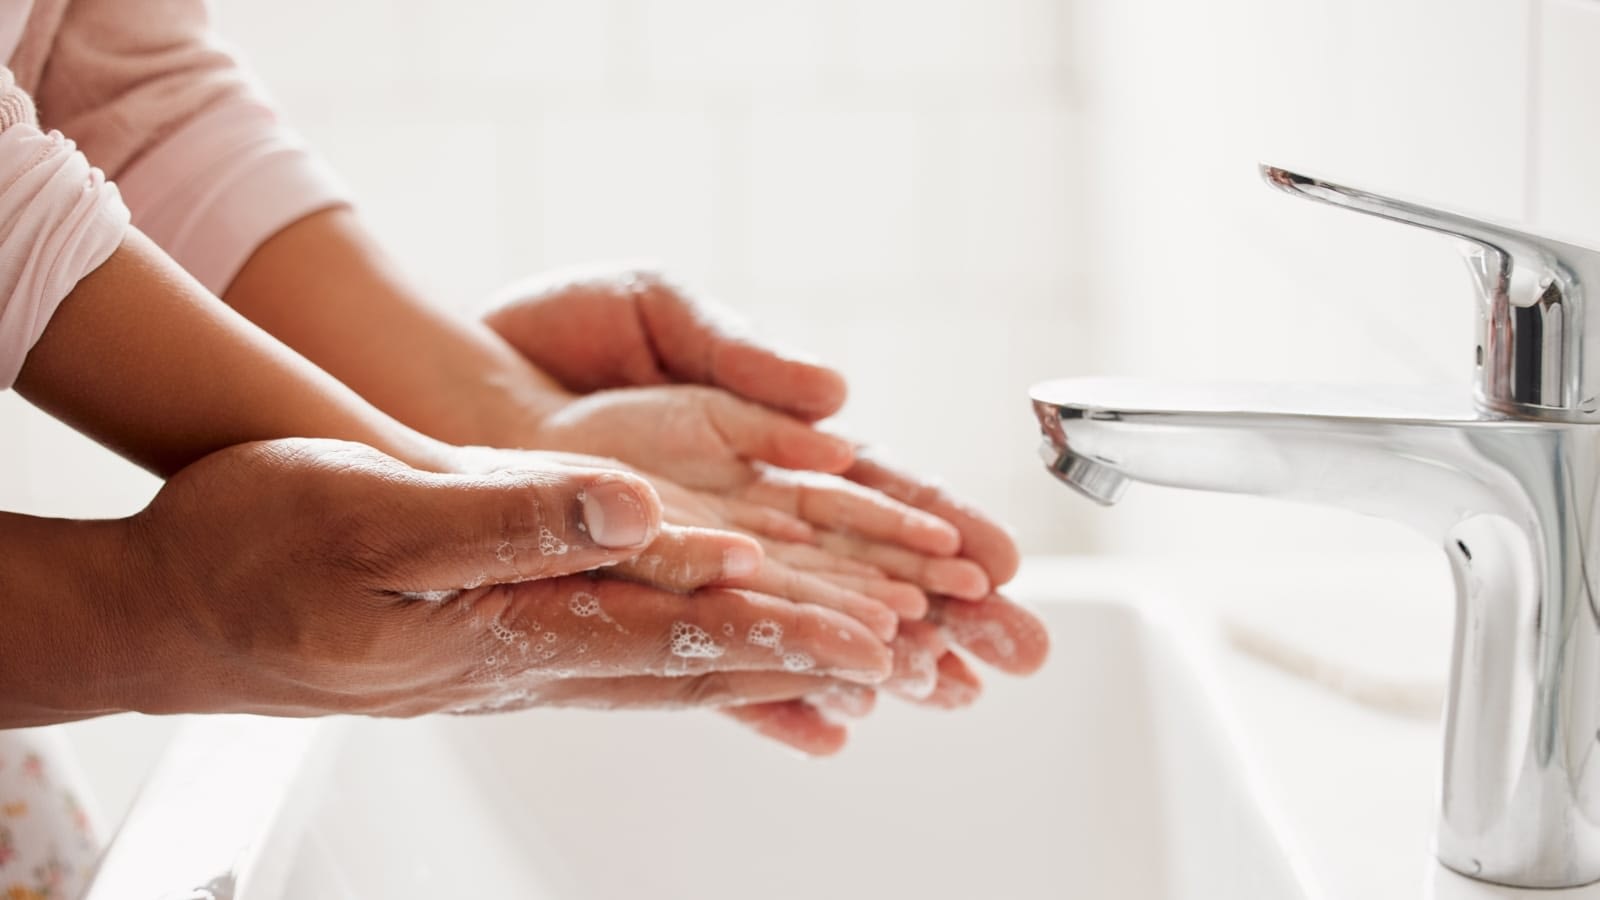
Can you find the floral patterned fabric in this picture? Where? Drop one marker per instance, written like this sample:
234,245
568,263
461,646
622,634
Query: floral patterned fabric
47,835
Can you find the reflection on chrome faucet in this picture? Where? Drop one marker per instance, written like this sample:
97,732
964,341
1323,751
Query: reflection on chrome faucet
1508,483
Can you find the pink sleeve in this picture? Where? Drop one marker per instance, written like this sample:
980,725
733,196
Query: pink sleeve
202,159
59,220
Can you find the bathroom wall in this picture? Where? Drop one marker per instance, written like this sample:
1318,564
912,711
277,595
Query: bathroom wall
890,186
950,199
1483,106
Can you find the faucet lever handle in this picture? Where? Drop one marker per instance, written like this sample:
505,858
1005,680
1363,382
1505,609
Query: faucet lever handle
1533,328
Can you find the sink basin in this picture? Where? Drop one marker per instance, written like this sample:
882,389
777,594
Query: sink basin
1110,773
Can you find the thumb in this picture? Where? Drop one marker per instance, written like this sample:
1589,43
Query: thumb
697,343
461,531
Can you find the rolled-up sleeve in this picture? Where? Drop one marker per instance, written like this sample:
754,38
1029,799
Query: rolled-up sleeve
203,160
59,220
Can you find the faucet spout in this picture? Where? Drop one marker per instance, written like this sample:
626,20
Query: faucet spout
1512,502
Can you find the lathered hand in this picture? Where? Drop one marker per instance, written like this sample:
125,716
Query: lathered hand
309,577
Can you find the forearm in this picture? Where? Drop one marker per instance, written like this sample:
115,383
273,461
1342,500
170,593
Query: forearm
64,644
325,288
140,357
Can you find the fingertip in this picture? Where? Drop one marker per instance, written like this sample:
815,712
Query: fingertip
931,534
1000,632
1003,558
959,578
908,600
803,389
958,686
828,391
811,450
796,724
742,557
885,623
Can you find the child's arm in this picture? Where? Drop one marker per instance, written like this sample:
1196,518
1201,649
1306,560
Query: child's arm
140,357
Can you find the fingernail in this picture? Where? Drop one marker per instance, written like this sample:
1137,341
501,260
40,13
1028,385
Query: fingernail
740,561
614,515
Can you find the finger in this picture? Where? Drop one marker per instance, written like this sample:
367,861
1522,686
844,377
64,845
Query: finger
755,432
958,686
697,343
907,600
841,700
998,631
961,578
917,649
708,689
982,539
608,627
439,531
796,723
552,319
765,521
778,580
848,507
814,559
684,559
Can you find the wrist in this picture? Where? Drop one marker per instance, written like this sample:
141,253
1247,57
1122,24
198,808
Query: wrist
73,645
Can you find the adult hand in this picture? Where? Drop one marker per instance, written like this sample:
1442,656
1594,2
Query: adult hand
304,577
653,333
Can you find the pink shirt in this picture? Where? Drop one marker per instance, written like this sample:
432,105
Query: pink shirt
142,90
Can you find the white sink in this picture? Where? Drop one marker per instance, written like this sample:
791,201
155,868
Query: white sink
1109,774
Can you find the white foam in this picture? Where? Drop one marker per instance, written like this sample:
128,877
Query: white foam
985,631
430,596
692,642
505,552
549,544
797,662
766,633
585,605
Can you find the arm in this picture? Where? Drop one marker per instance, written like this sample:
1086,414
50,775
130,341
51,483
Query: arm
304,577
141,358
325,287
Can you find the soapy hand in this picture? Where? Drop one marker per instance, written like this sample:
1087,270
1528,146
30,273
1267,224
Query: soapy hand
303,577
658,334
708,440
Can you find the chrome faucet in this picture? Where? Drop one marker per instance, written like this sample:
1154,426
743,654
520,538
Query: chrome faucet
1508,482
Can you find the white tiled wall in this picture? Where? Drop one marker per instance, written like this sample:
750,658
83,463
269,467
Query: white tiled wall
953,198
1208,274
892,186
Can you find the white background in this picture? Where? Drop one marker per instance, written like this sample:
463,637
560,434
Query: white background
951,199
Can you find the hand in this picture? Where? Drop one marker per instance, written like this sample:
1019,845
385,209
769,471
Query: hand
711,441
659,334
305,577
654,333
